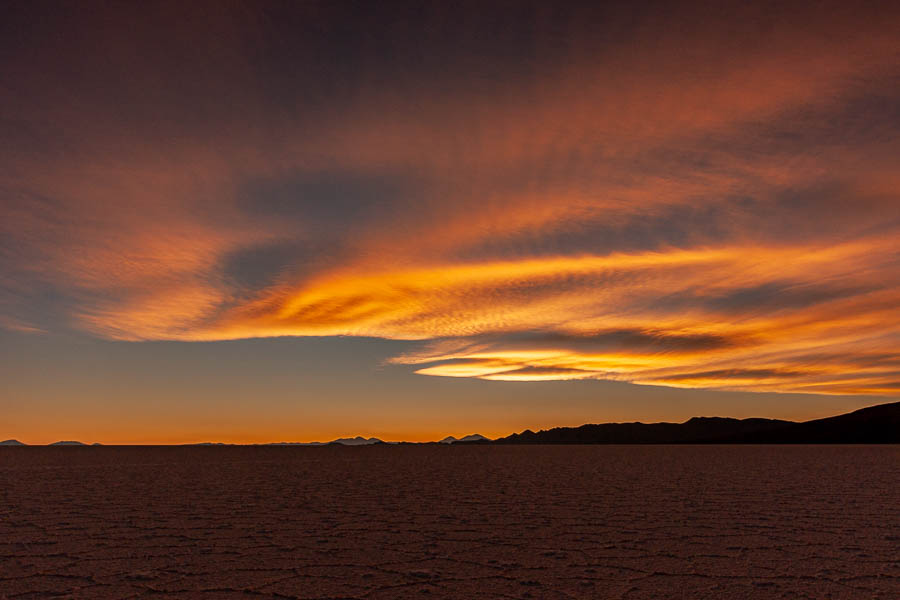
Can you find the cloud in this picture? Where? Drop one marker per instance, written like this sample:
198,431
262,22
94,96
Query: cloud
693,198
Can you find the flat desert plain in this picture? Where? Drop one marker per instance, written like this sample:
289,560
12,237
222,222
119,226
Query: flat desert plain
397,522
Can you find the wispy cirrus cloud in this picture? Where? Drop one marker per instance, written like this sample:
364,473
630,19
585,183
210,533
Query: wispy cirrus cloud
683,201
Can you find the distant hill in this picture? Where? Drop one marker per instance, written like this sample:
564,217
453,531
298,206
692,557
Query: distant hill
11,443
356,441
873,425
67,443
474,437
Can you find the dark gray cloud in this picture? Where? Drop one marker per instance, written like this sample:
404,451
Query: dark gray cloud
247,270
328,203
751,374
765,298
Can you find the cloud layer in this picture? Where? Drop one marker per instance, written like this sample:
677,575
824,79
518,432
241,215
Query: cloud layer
686,198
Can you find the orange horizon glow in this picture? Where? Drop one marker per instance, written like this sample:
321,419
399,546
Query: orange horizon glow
165,434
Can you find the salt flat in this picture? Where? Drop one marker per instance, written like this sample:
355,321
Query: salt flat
451,522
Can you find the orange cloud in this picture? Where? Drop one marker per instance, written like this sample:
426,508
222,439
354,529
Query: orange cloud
692,202
738,318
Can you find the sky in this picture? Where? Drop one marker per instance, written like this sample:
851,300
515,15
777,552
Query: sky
285,221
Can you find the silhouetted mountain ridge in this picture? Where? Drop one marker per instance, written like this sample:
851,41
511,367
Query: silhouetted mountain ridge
472,437
879,424
347,441
873,425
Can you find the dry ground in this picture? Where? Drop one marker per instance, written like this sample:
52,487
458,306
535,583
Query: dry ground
398,522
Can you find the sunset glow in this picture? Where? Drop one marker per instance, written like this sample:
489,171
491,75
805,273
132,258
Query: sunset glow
694,199
796,319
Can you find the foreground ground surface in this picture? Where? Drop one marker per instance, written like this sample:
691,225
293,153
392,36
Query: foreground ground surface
451,522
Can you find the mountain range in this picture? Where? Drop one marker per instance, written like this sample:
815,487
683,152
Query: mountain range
355,441
873,425
475,437
878,424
